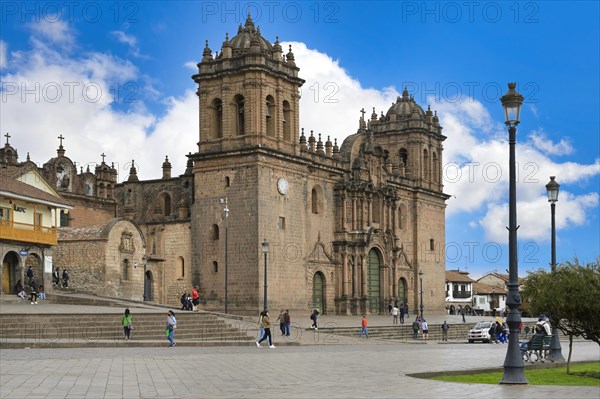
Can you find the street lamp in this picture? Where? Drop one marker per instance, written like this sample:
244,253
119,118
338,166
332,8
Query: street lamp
265,250
226,212
514,369
421,278
552,189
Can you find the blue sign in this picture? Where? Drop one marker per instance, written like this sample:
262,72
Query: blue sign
23,253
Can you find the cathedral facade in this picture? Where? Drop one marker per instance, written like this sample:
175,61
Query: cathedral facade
350,228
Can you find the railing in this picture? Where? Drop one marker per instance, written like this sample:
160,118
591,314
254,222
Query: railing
461,294
26,232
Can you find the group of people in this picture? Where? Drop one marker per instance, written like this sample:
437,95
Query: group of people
171,326
190,301
499,332
420,324
398,313
56,278
284,322
35,292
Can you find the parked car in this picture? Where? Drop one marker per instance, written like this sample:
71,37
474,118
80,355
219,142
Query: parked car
480,332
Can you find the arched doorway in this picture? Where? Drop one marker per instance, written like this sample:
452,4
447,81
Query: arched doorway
402,291
318,295
9,272
373,286
148,286
35,262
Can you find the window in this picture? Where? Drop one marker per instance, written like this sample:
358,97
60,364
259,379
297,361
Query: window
4,215
314,201
64,219
281,223
287,121
431,245
215,232
425,165
270,116
215,266
181,266
404,157
239,114
166,204
217,107
434,168
125,271
227,182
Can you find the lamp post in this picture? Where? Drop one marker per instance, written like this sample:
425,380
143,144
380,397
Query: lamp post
265,250
421,279
514,369
552,190
226,213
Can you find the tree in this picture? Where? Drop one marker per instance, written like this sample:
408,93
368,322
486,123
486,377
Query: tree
569,296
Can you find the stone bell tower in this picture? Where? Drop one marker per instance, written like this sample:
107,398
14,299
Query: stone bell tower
249,94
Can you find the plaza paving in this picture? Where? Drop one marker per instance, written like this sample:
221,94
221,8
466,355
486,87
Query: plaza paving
318,365
308,371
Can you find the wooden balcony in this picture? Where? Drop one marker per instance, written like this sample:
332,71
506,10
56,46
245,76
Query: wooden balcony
25,232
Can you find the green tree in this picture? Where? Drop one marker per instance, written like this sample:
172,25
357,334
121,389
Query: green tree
570,296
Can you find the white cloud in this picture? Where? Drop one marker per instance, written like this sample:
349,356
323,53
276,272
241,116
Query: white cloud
123,37
193,65
540,141
3,54
54,31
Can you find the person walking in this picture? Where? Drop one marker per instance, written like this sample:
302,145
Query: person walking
195,299
395,313
406,310
261,330
287,321
425,329
126,322
56,277
266,324
364,329
462,313
402,313
171,326
445,328
492,333
313,317
415,327
65,279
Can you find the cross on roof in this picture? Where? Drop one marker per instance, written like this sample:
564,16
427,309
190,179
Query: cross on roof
362,111
103,156
61,138
7,137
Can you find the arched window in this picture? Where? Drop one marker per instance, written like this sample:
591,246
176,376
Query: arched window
239,115
270,116
426,175
181,266
217,119
404,156
165,204
215,232
215,266
316,199
227,182
287,121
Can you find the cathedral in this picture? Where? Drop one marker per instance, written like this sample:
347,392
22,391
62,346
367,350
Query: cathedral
344,229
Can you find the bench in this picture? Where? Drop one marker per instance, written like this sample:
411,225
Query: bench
537,349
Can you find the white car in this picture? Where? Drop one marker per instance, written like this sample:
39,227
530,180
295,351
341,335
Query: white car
480,332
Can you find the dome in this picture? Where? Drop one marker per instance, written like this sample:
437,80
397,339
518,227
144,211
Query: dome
406,107
247,36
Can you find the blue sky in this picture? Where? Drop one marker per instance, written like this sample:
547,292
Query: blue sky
107,73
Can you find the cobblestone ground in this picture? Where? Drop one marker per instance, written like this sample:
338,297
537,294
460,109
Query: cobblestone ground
307,371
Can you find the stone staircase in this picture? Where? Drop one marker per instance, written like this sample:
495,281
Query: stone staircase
403,332
104,329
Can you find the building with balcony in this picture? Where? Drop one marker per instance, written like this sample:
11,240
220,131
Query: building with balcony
29,219
459,291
